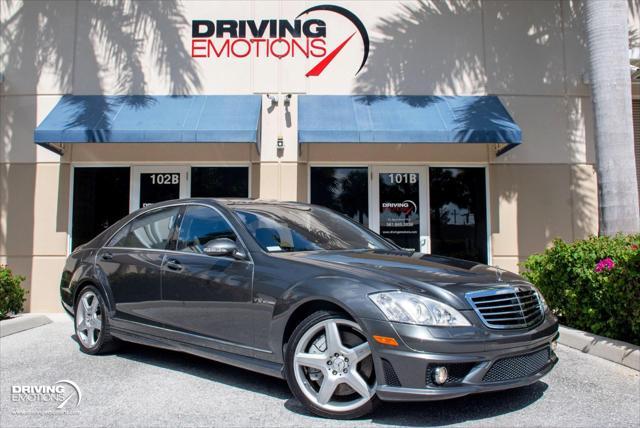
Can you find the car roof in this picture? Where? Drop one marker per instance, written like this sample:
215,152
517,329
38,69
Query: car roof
230,202
247,202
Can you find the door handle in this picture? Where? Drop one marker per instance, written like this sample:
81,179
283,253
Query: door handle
106,256
173,264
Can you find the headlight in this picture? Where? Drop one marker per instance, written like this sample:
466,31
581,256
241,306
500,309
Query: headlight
414,309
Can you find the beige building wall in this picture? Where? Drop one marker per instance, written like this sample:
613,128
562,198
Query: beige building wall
530,53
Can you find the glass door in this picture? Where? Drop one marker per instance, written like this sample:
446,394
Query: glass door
399,206
153,184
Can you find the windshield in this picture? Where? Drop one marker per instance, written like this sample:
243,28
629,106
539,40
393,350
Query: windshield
279,228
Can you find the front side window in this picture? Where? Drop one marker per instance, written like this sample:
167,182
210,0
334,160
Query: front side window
199,226
279,228
150,230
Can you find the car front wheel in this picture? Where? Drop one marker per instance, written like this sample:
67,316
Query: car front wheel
330,368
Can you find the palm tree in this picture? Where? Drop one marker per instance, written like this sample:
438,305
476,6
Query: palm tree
607,39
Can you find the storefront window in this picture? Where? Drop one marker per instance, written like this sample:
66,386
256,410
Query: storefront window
100,198
220,182
458,213
343,189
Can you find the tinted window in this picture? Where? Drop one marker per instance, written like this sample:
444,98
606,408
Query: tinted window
300,228
201,225
100,198
150,230
342,189
219,182
458,213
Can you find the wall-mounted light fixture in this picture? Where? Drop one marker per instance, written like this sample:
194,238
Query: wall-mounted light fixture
273,98
280,146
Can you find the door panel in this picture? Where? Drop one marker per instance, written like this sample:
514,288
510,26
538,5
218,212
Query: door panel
134,278
205,295
208,296
132,264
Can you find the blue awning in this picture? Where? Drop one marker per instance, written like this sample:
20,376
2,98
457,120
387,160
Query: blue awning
406,119
151,119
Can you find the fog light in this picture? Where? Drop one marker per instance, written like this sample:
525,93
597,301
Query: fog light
440,375
554,345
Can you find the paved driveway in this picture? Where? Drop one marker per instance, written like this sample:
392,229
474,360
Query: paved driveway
146,387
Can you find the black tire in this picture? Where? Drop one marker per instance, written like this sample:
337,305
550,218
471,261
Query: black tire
106,342
296,336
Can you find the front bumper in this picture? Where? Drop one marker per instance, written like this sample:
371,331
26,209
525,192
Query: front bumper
404,373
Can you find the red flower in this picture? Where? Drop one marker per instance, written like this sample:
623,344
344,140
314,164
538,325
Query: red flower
605,264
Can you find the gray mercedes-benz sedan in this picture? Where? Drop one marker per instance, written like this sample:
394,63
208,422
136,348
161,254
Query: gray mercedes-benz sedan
303,293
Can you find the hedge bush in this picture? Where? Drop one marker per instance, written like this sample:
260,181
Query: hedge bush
11,292
592,285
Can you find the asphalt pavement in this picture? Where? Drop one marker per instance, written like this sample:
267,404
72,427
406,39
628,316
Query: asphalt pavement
141,386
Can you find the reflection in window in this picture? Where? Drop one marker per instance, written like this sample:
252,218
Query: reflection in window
279,228
343,189
201,225
151,230
458,213
220,182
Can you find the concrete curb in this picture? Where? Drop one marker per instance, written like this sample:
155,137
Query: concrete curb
22,322
613,350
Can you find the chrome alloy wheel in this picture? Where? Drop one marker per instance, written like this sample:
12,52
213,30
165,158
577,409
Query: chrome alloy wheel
331,374
89,319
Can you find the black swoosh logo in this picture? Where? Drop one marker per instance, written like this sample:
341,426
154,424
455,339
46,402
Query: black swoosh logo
351,17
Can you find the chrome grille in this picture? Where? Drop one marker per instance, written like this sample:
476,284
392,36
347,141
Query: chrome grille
510,307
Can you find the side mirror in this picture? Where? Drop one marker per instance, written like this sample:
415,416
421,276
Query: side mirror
222,247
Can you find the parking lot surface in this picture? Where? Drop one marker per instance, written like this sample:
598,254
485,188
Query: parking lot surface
141,386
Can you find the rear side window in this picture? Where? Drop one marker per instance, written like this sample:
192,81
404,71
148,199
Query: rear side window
150,230
201,225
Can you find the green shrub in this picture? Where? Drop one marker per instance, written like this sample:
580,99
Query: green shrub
11,293
592,285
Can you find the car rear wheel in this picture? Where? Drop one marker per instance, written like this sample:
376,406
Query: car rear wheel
330,368
92,323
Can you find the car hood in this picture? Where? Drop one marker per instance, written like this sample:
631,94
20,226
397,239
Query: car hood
439,276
